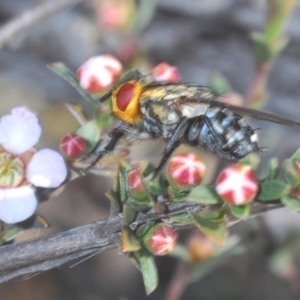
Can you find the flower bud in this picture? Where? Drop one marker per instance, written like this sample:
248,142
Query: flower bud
72,145
165,72
115,14
160,239
136,187
185,171
98,73
200,247
237,184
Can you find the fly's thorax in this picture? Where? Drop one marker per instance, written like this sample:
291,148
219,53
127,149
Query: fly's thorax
125,101
161,111
192,110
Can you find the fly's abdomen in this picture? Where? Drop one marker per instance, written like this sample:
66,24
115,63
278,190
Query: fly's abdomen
222,132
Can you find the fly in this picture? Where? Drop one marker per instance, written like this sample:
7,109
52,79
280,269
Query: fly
180,113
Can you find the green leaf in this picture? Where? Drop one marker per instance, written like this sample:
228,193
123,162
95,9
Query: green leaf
289,173
62,70
8,235
148,269
213,212
91,132
273,167
251,160
116,205
273,189
129,213
219,84
217,232
104,116
204,195
296,155
122,187
129,241
145,13
291,202
261,48
240,211
277,17
183,219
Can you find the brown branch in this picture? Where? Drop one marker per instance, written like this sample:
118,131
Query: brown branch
45,253
32,17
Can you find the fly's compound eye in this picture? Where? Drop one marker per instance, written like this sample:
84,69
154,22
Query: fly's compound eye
124,96
126,101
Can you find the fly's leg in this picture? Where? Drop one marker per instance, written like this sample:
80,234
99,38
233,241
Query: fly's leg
173,143
115,134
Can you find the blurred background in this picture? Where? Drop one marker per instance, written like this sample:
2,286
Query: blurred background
202,38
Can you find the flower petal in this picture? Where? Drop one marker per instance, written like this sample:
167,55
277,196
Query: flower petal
17,204
46,169
19,131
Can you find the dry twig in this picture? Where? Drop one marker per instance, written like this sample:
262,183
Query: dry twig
32,17
45,253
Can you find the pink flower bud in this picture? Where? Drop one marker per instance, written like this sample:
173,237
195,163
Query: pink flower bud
160,239
98,73
237,184
184,171
165,72
115,14
136,188
72,145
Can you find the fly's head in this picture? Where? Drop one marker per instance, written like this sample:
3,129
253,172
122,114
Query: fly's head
126,101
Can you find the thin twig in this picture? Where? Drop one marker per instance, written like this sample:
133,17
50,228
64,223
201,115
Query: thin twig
44,253
32,17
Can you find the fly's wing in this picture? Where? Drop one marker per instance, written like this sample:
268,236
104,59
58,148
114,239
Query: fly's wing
254,113
194,93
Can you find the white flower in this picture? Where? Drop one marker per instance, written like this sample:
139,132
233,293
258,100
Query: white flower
21,166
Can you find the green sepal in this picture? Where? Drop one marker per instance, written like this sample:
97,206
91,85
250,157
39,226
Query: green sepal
156,186
62,70
182,219
289,173
144,228
251,160
129,241
116,205
203,195
292,203
215,213
122,187
129,212
219,83
262,50
90,132
176,196
240,211
148,268
217,232
273,189
9,235
273,168
131,207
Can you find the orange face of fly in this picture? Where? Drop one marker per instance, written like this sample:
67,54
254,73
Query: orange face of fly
125,101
